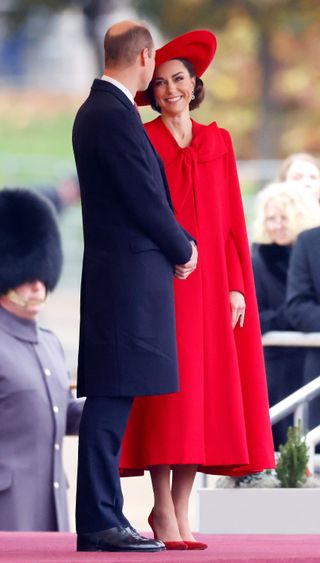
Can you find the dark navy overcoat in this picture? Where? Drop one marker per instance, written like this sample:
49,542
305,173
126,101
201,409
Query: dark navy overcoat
131,244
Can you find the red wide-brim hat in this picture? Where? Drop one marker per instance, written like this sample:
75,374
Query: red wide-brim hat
198,47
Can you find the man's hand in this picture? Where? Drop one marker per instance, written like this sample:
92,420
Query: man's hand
237,307
183,271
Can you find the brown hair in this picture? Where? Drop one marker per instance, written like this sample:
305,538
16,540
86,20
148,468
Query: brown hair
198,89
123,48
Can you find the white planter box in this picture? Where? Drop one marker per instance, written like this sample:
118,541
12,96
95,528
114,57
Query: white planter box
259,511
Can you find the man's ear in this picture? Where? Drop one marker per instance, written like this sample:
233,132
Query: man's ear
144,56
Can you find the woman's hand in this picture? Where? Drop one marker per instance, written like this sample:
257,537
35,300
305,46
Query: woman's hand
238,307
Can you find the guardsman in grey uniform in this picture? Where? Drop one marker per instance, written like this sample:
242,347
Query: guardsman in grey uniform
36,405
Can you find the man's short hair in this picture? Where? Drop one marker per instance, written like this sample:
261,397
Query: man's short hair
124,48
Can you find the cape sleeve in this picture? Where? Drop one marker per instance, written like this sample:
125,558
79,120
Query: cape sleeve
248,338
237,241
235,276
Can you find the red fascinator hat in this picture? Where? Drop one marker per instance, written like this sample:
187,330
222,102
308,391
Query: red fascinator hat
198,47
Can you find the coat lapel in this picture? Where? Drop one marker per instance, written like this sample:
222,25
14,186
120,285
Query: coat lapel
103,85
161,166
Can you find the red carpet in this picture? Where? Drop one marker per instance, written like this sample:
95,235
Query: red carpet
60,548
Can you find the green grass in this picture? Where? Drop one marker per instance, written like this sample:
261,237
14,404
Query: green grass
38,152
49,136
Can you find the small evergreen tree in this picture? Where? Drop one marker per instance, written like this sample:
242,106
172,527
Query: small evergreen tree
292,464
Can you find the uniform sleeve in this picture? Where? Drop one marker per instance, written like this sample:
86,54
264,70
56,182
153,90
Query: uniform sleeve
74,412
146,202
74,406
303,307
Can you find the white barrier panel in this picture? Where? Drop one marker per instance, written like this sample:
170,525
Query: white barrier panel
259,511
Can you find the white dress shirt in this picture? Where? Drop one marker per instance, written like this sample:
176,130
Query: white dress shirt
120,86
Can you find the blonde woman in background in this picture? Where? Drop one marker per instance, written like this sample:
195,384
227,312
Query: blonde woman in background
283,210
303,168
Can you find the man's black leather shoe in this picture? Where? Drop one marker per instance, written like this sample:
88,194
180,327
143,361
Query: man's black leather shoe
118,539
136,534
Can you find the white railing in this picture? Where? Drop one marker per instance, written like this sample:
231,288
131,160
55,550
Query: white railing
297,402
284,338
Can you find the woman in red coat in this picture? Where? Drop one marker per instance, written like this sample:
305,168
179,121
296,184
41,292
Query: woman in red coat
219,421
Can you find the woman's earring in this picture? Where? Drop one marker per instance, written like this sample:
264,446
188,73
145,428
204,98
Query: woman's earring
192,95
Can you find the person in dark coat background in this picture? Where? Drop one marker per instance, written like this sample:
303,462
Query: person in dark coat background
303,304
36,405
132,248
283,211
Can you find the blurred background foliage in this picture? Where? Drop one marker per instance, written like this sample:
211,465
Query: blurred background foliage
264,84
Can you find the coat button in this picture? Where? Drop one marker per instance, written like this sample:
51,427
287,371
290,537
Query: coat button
56,485
57,447
47,372
55,409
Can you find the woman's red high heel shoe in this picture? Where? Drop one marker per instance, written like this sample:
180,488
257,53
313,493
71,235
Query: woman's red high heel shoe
178,545
195,545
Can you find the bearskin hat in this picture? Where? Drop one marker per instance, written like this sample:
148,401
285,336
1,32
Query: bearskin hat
30,243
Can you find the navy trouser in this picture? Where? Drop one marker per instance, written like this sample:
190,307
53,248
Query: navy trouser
99,496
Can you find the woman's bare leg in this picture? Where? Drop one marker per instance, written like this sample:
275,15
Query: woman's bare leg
164,516
182,481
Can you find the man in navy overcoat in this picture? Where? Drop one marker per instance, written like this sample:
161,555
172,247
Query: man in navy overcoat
303,304
132,248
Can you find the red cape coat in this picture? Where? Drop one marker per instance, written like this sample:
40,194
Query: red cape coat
220,419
